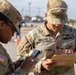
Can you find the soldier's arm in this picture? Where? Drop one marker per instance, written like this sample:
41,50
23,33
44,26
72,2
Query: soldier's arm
25,46
19,71
49,52
38,66
7,67
27,43
24,68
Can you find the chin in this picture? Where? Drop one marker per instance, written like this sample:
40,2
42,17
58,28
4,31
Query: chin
56,31
5,42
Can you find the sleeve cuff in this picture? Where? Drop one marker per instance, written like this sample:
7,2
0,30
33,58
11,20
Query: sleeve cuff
38,66
21,71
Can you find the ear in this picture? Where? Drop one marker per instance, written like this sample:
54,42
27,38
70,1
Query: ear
45,14
1,24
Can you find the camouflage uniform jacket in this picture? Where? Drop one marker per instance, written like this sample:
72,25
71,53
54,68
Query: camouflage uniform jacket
40,37
7,67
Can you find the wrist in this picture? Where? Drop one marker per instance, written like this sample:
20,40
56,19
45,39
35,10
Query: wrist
21,71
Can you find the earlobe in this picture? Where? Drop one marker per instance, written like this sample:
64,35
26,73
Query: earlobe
45,14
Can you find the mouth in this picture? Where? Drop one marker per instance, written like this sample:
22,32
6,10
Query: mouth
56,29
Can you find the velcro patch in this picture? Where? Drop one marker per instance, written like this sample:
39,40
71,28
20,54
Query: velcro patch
24,43
1,58
24,39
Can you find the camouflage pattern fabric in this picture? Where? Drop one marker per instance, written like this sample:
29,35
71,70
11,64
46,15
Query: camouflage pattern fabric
40,38
7,67
56,10
11,13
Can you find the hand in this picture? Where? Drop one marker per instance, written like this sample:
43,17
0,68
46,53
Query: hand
29,63
18,63
68,51
65,51
48,64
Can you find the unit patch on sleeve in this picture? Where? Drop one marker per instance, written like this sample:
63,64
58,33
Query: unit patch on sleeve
1,58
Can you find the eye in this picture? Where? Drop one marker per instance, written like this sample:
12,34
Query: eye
13,30
63,11
58,15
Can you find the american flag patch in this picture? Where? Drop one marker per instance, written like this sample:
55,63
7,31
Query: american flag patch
24,40
1,58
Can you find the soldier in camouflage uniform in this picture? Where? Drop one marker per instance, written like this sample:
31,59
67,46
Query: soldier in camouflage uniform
53,32
9,21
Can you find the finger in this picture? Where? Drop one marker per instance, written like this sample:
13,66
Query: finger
50,66
51,62
69,51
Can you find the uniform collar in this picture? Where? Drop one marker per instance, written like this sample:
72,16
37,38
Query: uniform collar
49,32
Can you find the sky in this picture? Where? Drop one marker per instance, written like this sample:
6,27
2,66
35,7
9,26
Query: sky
38,7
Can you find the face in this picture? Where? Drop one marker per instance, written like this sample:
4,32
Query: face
54,27
6,31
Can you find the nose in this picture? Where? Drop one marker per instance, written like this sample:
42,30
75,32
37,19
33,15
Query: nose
57,25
